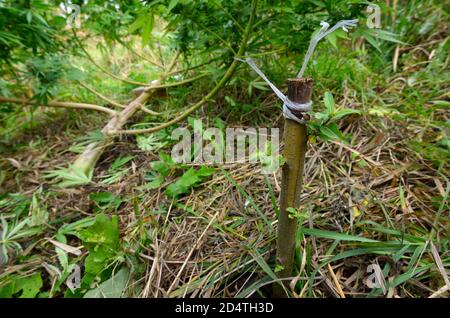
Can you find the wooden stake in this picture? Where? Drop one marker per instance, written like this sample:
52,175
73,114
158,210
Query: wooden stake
295,139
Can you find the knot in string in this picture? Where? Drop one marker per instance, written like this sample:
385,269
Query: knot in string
288,105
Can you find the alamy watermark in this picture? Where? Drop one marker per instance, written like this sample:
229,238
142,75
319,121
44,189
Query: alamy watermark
374,17
73,11
74,280
230,145
376,279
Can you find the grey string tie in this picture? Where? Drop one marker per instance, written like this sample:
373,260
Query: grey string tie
288,105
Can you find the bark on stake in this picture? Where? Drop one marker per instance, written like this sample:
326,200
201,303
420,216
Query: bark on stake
295,139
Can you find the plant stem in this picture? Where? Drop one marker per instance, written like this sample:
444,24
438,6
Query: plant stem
101,68
142,56
59,104
212,93
87,160
93,91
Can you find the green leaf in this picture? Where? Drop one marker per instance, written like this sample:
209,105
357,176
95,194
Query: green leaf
119,162
39,214
332,38
183,184
104,231
331,132
29,17
111,288
76,75
321,117
103,243
22,287
386,36
335,235
188,180
161,167
343,112
263,264
105,200
154,184
71,176
136,25
262,86
369,38
147,30
204,171
329,102
149,143
76,226
172,4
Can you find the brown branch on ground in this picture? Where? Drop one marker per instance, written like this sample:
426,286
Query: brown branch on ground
87,160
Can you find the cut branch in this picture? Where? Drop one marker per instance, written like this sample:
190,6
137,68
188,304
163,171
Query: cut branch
58,104
87,160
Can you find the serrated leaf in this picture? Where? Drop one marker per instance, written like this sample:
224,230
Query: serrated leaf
172,4
147,29
23,287
119,162
136,25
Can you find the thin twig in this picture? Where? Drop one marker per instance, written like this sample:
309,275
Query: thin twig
336,281
59,104
101,68
110,101
140,55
